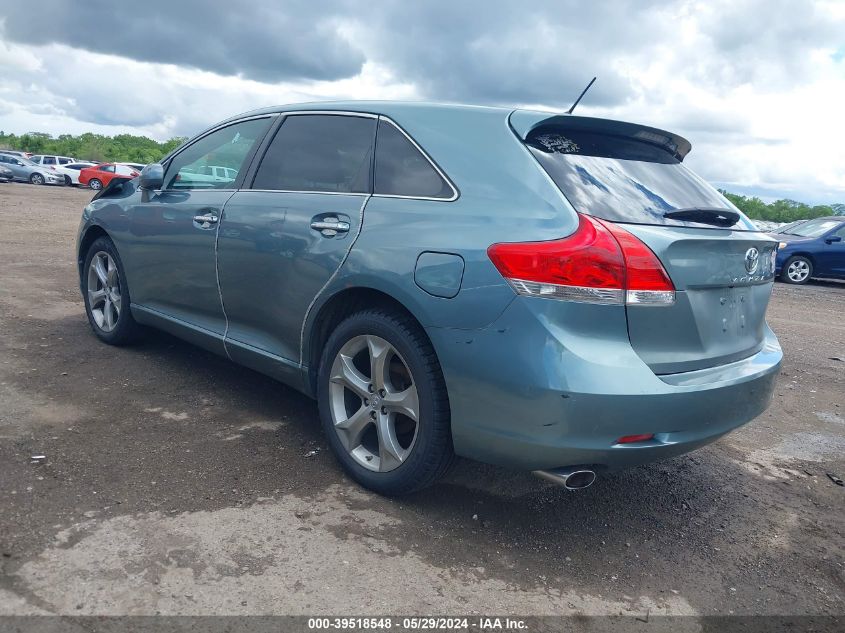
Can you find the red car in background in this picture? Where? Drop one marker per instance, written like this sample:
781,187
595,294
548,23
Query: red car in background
100,176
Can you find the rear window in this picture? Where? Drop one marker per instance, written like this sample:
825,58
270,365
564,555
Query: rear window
623,179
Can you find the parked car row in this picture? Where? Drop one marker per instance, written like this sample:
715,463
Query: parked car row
43,169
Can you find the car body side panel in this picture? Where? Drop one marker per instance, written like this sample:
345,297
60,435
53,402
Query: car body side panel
831,255
272,264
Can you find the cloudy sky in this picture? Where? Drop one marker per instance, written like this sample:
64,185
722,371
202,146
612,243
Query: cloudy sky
758,86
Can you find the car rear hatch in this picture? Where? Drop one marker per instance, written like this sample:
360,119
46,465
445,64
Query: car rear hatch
722,268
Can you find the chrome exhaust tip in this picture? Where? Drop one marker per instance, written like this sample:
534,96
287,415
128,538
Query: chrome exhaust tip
572,478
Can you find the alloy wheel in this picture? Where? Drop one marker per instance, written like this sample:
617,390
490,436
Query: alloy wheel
37,179
374,403
798,270
104,298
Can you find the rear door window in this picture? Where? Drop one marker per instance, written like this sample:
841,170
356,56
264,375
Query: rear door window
623,179
319,153
402,170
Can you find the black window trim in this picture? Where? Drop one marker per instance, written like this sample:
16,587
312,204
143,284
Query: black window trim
259,156
248,159
271,135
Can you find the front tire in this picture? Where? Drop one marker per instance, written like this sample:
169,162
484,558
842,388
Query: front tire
36,179
797,270
383,403
95,184
106,295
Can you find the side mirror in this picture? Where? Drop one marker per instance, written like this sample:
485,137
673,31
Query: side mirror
152,176
832,239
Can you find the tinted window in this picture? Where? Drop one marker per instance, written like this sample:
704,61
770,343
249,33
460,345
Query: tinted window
108,168
49,160
622,179
317,152
402,170
228,147
64,161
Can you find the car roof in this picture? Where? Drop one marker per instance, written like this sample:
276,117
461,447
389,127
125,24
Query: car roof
521,120
386,108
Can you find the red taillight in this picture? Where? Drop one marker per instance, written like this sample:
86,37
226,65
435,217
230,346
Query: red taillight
633,439
600,263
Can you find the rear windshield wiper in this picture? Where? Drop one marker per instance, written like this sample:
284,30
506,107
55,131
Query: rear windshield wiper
704,215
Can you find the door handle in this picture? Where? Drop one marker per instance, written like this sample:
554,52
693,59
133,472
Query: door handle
206,220
330,226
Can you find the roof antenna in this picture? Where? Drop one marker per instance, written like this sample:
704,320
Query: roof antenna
581,96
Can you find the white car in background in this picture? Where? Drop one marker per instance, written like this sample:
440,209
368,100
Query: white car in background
212,173
135,166
48,160
71,171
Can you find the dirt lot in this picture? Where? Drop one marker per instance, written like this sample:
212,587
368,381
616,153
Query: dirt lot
176,482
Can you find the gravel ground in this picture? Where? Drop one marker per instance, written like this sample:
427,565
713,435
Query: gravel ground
178,483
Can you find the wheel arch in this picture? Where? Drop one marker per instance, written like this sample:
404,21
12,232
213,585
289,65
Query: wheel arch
92,233
333,311
804,254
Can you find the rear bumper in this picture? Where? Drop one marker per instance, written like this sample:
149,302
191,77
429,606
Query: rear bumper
553,384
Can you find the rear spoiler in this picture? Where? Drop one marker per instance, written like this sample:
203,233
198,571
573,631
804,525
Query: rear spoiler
523,122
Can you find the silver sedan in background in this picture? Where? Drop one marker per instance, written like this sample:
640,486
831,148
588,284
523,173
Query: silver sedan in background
24,170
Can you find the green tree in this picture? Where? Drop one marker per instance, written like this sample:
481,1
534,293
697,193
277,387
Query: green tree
125,148
779,210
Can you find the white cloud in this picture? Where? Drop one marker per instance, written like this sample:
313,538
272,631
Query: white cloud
756,85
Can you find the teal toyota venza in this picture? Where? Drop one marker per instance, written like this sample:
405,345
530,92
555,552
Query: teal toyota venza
552,293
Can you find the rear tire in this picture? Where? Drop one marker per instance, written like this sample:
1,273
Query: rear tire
797,270
95,184
106,295
68,181
377,366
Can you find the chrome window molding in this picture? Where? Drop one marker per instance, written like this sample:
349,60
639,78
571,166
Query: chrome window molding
324,193
366,115
370,115
431,162
195,189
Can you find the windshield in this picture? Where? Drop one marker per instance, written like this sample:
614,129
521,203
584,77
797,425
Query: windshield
788,228
814,228
623,179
